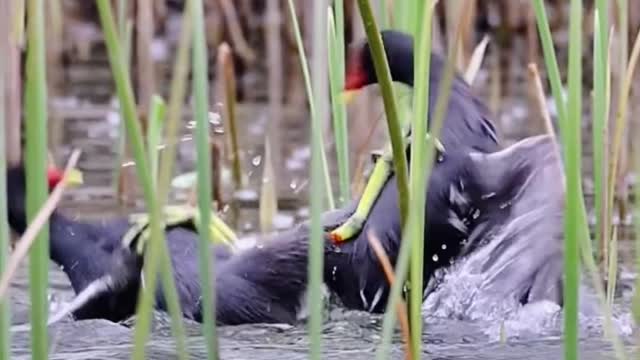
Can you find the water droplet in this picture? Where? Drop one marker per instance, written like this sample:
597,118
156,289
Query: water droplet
293,184
435,258
488,196
214,118
256,160
444,246
476,214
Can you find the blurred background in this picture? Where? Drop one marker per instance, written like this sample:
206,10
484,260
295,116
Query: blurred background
270,93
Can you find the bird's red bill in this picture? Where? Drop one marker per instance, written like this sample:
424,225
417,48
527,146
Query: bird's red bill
54,176
355,77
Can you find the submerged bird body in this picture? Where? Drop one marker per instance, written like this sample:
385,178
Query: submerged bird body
257,285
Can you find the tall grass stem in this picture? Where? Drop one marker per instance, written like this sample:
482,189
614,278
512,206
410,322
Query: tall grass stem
200,89
36,115
417,175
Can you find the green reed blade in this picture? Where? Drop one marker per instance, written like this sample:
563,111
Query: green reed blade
336,80
157,249
5,311
418,177
586,251
315,121
201,111
35,111
388,96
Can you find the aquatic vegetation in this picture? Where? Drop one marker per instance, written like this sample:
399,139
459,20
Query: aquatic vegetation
330,23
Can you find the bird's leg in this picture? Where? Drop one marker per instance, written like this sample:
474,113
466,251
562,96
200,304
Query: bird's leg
382,171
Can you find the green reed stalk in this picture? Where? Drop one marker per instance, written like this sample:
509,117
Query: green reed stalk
551,64
338,8
621,118
315,121
121,11
383,14
36,166
406,249
316,245
418,177
225,68
17,28
612,271
586,250
154,133
621,114
174,116
157,248
573,153
388,95
200,89
5,314
341,132
178,90
600,116
126,31
404,15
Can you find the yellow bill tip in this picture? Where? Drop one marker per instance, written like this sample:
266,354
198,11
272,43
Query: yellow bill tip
74,177
348,96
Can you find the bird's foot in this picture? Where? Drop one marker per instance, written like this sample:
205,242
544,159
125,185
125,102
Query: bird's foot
347,230
139,233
